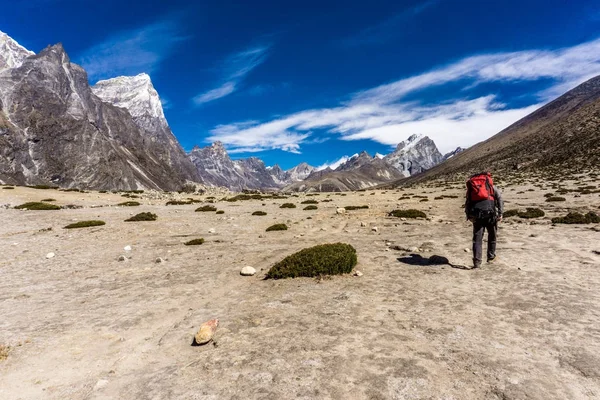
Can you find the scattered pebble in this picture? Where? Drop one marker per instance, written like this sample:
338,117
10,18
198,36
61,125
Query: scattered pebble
374,229
159,260
413,249
340,211
50,255
467,250
363,224
212,230
247,271
206,332
358,273
122,258
127,248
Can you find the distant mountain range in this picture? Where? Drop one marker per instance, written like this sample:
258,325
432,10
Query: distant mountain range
57,129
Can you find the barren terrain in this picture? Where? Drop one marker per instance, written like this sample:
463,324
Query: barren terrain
83,325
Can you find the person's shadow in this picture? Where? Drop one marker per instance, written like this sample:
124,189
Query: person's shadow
417,259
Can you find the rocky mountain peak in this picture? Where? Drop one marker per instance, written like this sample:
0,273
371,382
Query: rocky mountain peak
136,94
416,154
12,53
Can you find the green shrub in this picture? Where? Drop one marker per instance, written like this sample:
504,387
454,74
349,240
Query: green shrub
422,200
310,202
350,208
195,242
145,216
178,202
325,259
532,213
37,206
407,214
439,198
129,204
311,207
288,205
240,197
555,198
103,191
71,190
547,195
85,224
277,227
8,187
130,196
577,218
259,213
510,213
48,200
206,208
220,212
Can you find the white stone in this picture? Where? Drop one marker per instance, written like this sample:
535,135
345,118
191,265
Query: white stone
127,248
363,224
374,229
212,230
50,255
159,260
413,249
358,273
247,271
340,211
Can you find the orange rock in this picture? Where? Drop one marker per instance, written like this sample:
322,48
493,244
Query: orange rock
206,331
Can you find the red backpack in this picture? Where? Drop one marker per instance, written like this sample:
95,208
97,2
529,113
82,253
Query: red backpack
480,187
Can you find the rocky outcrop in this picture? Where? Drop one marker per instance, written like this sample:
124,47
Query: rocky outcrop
54,129
12,54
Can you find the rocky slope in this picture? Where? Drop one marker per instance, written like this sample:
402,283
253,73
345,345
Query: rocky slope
53,128
216,168
560,138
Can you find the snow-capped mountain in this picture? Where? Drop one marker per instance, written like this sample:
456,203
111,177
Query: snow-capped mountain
138,96
54,129
299,173
414,155
12,54
453,153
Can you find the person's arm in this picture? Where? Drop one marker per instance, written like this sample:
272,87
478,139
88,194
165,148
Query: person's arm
499,202
467,205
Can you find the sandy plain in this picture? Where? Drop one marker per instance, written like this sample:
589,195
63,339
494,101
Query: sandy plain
83,325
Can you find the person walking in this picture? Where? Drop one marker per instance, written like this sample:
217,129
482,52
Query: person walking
484,208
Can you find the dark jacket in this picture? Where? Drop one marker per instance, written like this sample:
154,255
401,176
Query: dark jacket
498,204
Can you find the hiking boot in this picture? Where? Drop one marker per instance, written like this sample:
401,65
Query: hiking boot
476,264
491,260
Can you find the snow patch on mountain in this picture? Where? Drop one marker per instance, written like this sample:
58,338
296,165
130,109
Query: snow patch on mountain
12,54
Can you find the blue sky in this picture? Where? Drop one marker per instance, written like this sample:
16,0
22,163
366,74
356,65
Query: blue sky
316,80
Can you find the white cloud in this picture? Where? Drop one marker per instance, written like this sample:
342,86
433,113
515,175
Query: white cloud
381,115
131,52
236,67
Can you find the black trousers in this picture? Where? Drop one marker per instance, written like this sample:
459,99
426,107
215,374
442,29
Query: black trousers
479,228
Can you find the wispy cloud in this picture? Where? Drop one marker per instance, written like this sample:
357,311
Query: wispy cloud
236,67
381,114
388,28
132,52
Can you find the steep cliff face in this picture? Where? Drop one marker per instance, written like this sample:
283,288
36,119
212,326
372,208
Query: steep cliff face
414,155
12,54
137,95
54,129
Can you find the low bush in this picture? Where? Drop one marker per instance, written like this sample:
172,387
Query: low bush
422,200
510,213
325,259
407,214
195,242
577,218
555,198
259,213
8,187
288,205
129,204
85,224
206,208
439,198
37,206
145,216
310,202
311,207
178,202
130,196
351,208
531,213
240,197
43,187
103,191
71,190
220,212
48,200
277,227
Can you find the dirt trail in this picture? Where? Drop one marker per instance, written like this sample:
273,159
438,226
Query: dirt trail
83,325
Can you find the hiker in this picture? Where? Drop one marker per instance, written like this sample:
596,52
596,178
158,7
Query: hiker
484,209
